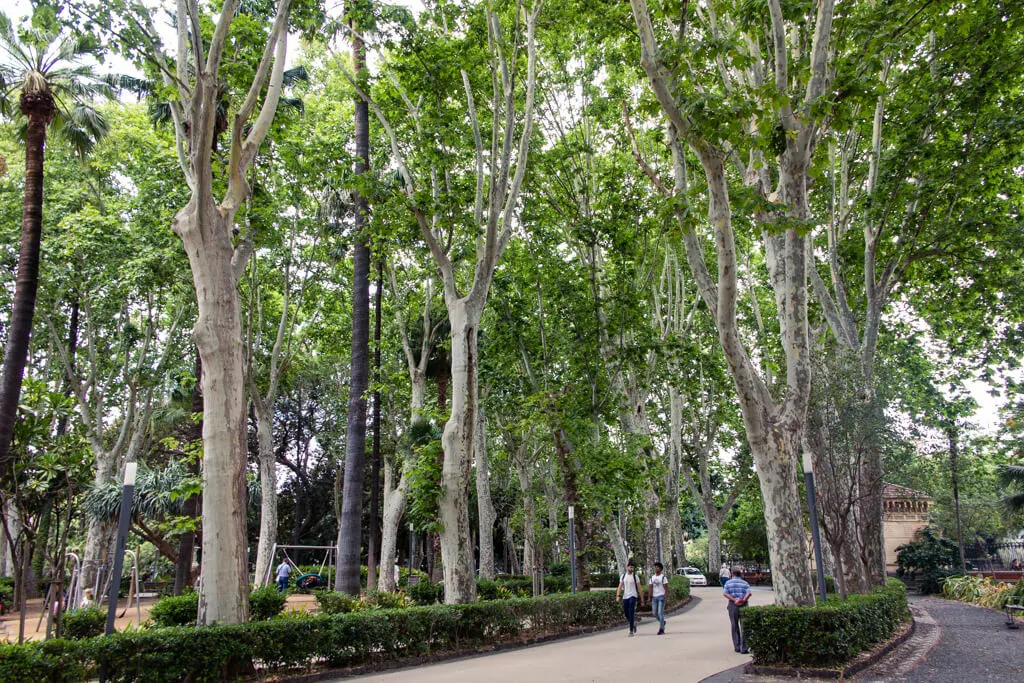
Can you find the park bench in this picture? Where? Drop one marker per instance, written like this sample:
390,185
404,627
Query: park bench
1014,606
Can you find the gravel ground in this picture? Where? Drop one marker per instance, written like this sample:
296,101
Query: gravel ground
973,645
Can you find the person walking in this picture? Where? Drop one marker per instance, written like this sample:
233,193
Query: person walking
737,591
629,593
724,574
284,570
657,591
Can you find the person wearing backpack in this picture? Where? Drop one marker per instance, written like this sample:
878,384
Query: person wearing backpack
657,591
629,593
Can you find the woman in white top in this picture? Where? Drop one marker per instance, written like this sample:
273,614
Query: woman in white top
629,593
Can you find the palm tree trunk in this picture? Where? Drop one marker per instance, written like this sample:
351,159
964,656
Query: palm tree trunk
39,109
349,531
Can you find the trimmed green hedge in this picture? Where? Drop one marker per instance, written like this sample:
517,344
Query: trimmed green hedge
825,635
206,653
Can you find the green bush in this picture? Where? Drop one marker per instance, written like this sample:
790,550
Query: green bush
265,603
175,610
425,593
165,655
332,602
385,600
828,634
556,584
84,623
930,559
604,580
678,588
6,594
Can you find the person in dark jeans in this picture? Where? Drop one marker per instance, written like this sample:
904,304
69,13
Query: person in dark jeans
737,591
629,593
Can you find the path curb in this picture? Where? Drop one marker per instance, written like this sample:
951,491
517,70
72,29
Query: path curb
406,663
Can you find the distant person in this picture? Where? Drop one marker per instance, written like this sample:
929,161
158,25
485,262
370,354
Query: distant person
737,591
397,573
629,593
284,570
88,600
724,574
657,590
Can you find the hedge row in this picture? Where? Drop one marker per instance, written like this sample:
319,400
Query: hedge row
828,634
211,653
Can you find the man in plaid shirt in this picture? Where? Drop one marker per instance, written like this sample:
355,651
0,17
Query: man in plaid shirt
737,591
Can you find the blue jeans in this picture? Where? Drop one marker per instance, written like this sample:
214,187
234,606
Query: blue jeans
658,608
282,584
629,609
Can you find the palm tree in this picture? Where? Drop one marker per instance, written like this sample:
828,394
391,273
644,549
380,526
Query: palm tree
40,69
1012,477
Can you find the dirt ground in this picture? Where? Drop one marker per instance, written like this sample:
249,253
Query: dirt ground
9,621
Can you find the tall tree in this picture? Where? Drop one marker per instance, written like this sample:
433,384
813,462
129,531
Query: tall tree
53,90
350,528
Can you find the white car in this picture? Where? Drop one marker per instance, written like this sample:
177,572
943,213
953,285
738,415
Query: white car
695,576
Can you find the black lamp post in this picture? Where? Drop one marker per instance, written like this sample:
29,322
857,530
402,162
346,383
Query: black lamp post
813,508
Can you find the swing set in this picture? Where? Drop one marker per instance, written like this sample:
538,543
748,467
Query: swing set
304,580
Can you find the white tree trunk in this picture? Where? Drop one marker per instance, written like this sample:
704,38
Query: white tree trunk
395,496
618,544
457,441
205,233
268,488
485,507
98,533
529,524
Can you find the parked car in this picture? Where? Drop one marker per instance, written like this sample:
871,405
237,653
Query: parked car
695,575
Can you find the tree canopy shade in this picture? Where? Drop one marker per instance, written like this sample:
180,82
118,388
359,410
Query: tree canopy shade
634,258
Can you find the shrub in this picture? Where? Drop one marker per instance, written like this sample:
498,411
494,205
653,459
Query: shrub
827,634
332,602
176,610
980,591
425,593
604,580
6,593
265,603
678,588
385,600
84,623
556,584
516,584
931,559
161,655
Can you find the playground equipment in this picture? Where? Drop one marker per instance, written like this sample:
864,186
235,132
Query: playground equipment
306,581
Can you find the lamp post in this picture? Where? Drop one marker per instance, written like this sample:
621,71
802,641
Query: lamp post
123,523
657,535
412,549
813,508
572,549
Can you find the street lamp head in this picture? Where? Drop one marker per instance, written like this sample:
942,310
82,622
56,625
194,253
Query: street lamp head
130,469
571,511
657,522
808,467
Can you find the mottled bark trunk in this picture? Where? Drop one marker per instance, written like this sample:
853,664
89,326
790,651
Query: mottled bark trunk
38,108
485,507
374,544
457,441
350,530
205,232
618,544
268,487
98,533
714,544
395,496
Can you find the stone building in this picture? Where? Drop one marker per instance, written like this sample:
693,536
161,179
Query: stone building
904,514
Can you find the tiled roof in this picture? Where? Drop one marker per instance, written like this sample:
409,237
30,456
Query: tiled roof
891,491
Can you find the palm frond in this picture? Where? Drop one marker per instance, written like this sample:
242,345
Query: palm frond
1012,474
293,103
292,76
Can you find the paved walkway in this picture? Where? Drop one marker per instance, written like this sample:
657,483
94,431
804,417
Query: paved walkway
696,644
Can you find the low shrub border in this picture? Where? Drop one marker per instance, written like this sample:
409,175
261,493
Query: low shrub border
826,635
301,642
